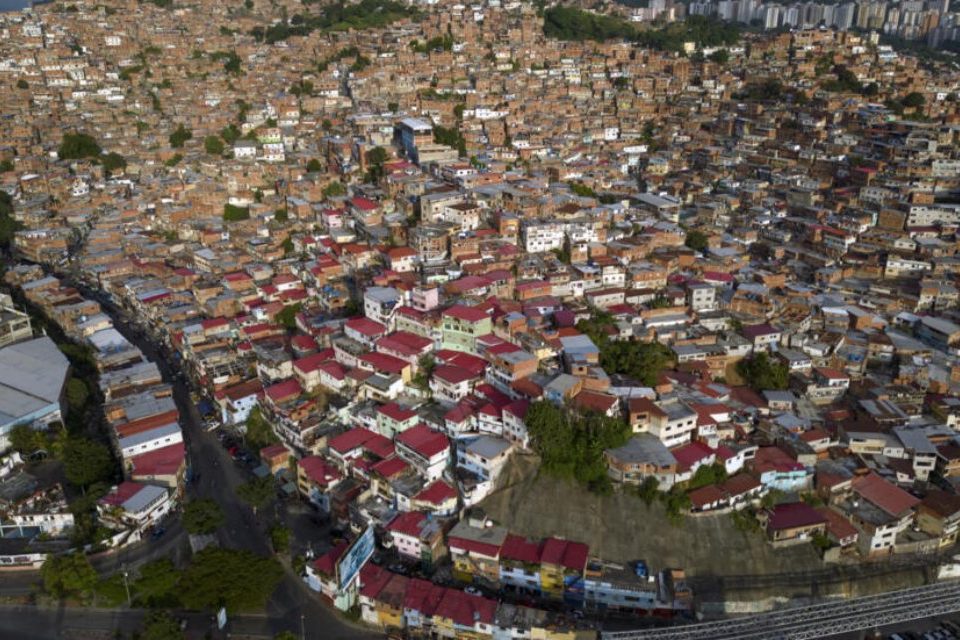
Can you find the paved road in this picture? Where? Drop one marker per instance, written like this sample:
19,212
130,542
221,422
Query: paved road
39,623
819,620
172,545
218,479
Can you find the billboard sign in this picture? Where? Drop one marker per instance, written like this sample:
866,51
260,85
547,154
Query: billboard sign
355,557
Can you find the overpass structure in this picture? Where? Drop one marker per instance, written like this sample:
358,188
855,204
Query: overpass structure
817,620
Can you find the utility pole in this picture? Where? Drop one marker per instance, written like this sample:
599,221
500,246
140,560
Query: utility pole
303,635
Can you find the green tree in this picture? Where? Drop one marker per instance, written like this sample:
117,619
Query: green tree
202,516
113,162
582,190
213,145
174,160
77,394
708,474
230,133
160,625
86,462
763,373
914,100
288,315
425,366
280,538
334,189
8,224
677,504
238,580
314,165
287,246
648,490
258,492
68,576
26,440
75,146
696,240
233,213
571,445
22,84
156,586
720,56
259,433
375,159
281,215
180,136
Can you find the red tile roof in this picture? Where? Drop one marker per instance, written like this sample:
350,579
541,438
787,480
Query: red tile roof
690,454
165,461
793,515
474,364
319,470
385,362
327,563
409,523
391,467
121,493
350,440
464,609
465,313
436,493
366,326
283,390
572,555
424,440
519,549
373,579
397,413
453,375
890,498
704,496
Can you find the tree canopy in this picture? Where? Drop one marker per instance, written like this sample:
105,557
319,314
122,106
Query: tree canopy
180,136
233,213
642,361
259,433
568,23
86,462
762,372
113,162
213,145
156,586
571,445
75,146
238,580
258,492
334,189
696,240
8,224
288,315
339,16
160,625
202,516
68,575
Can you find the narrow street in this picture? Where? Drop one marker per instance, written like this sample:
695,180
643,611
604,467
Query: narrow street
218,479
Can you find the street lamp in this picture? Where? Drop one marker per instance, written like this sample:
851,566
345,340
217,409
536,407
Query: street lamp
126,586
303,635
